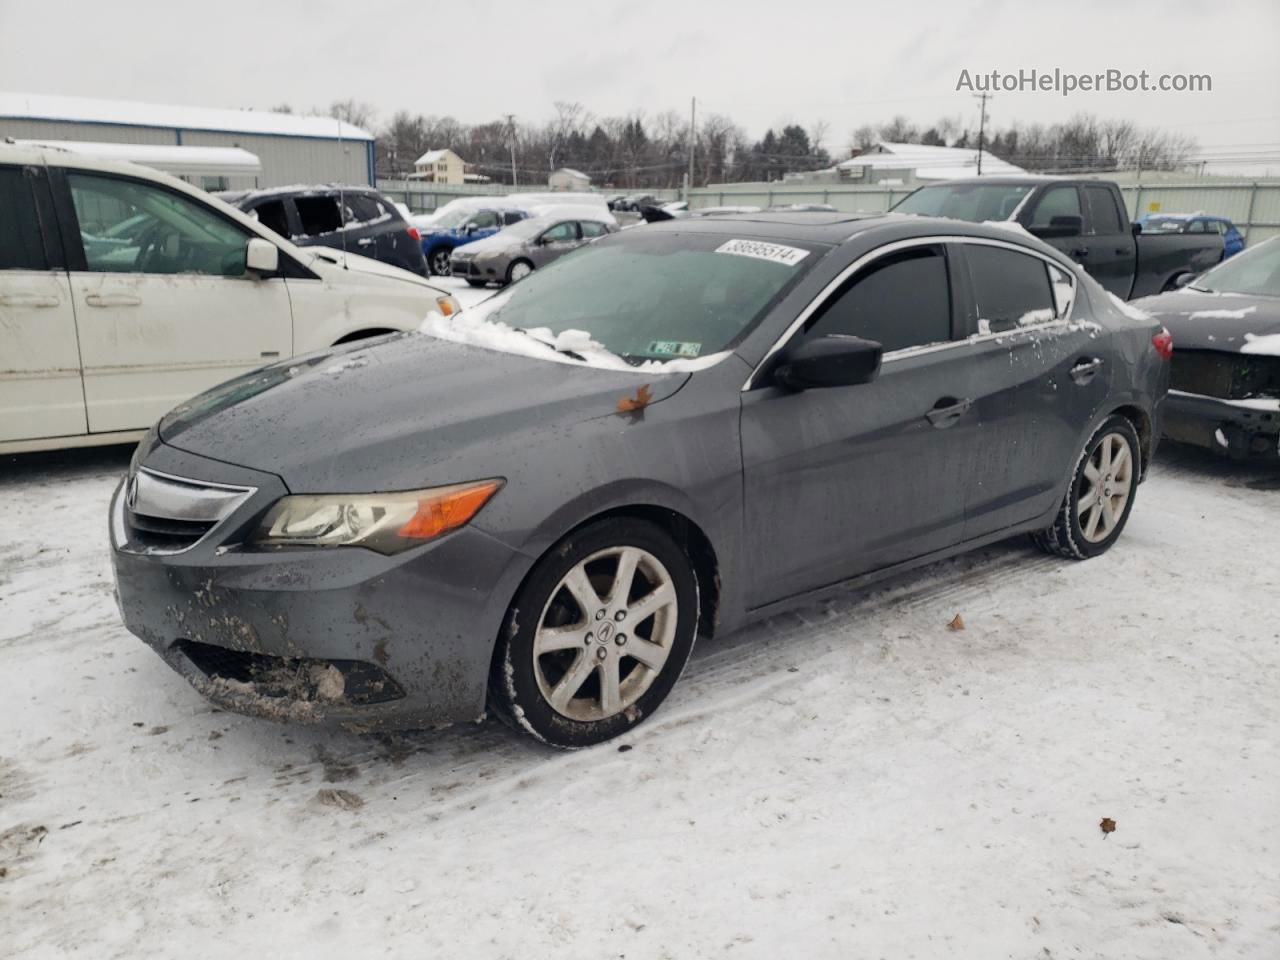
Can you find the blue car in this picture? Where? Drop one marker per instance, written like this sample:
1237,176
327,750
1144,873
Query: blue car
1232,239
455,228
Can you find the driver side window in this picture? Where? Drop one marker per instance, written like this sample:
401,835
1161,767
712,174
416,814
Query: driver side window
561,233
483,220
131,227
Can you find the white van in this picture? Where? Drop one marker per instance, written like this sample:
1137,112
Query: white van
124,291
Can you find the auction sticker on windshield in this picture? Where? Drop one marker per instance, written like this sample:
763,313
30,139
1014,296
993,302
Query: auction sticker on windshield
775,252
674,348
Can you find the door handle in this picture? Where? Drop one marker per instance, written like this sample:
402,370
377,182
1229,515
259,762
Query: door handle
1085,370
1121,250
365,242
947,411
28,300
1080,252
113,300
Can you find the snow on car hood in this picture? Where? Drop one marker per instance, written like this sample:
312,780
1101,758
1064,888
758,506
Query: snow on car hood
334,264
400,413
1203,320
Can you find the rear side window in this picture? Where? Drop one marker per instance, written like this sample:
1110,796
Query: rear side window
20,243
512,216
318,215
900,301
1103,215
1056,202
272,215
362,209
1010,289
591,228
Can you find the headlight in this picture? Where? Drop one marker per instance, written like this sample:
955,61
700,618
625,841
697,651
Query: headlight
385,522
447,305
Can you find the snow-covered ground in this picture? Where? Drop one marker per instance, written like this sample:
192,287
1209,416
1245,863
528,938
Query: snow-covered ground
855,780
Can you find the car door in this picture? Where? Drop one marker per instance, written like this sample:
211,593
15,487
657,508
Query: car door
1039,380
167,309
556,241
41,394
1110,249
845,480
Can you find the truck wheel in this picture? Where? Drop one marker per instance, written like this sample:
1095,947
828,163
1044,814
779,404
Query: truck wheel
597,636
438,261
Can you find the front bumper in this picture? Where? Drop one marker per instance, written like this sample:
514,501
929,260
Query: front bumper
488,269
339,635
1239,429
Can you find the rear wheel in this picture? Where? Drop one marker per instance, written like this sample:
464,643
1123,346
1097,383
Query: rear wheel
438,261
475,283
598,634
519,270
1100,496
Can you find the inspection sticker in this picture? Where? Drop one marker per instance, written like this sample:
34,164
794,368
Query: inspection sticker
775,252
674,348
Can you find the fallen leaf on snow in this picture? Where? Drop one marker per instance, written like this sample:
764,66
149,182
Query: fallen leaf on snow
1107,825
957,622
343,799
643,397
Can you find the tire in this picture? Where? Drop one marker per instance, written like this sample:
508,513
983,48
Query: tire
475,283
1087,525
518,270
555,655
1172,283
438,262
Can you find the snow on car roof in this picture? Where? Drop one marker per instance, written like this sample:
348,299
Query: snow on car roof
170,158
36,106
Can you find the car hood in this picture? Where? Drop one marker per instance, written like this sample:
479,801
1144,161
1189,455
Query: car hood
338,267
400,413
1232,322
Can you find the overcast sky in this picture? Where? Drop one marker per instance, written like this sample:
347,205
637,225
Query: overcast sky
762,63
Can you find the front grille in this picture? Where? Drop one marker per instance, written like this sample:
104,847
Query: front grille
1229,376
293,678
164,533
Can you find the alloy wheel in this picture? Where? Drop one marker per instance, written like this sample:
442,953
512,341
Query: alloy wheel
605,633
1106,484
519,271
440,264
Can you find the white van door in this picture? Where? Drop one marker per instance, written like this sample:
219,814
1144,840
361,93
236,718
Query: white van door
164,307
40,390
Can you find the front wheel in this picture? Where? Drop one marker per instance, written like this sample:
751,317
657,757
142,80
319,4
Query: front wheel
1100,496
519,270
438,261
598,634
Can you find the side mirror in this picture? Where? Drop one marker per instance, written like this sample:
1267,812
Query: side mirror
261,257
1137,228
835,360
1059,227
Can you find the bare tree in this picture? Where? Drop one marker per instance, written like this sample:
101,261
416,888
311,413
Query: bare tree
357,114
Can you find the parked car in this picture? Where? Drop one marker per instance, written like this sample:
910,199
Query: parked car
1196,223
539,504
124,291
517,251
356,219
460,226
1085,219
1225,386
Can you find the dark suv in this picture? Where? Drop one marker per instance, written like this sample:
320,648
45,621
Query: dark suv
357,219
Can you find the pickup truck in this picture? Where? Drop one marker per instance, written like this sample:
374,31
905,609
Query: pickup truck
1085,219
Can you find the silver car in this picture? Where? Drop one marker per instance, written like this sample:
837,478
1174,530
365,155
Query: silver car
523,247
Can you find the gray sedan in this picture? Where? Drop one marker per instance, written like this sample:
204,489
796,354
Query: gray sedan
517,251
536,506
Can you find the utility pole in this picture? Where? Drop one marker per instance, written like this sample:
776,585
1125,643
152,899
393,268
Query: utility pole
511,141
693,144
982,126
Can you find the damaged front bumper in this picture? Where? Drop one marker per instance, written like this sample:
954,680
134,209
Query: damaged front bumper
319,635
1239,429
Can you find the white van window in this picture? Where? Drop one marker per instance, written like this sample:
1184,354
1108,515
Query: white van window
132,227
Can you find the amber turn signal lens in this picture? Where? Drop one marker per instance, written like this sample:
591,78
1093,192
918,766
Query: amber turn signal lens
446,306
448,508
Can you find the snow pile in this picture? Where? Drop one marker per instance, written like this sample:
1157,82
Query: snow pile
1222,314
1267,345
1012,226
474,328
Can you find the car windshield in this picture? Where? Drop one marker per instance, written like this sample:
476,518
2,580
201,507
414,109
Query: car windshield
1255,271
1163,225
655,296
976,202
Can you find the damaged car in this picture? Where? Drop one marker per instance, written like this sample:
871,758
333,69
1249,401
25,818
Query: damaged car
537,506
1225,382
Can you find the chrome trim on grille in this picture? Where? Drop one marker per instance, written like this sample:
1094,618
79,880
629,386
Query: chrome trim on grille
150,493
